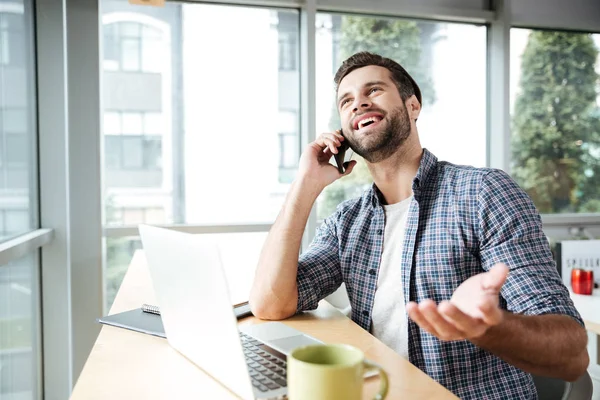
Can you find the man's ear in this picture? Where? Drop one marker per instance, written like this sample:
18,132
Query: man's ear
413,107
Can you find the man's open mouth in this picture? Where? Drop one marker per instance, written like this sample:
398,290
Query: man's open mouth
367,120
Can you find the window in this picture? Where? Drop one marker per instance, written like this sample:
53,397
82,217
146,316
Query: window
18,155
288,156
20,333
19,329
12,221
448,61
133,140
14,45
209,140
555,111
4,42
15,158
287,30
131,46
18,186
289,145
288,51
15,119
225,136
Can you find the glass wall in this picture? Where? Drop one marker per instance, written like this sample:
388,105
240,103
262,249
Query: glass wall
448,62
18,192
19,330
555,113
19,280
196,130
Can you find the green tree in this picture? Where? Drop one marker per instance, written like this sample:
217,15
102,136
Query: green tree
400,40
555,128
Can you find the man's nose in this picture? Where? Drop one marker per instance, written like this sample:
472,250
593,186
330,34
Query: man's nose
361,103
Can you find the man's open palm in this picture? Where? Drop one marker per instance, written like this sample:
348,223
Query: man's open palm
471,311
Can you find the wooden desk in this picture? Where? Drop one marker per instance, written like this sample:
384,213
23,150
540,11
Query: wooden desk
130,365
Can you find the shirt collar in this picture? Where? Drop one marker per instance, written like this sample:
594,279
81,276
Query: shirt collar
427,164
426,167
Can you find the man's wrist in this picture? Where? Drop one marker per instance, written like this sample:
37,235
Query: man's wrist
307,186
493,333
300,199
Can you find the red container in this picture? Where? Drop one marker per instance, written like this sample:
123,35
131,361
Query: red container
582,281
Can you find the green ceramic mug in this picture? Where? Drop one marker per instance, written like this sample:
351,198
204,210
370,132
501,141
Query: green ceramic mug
330,372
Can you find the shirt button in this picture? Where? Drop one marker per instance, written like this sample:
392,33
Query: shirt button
372,272
365,313
379,232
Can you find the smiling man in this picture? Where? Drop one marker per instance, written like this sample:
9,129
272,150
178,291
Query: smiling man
448,265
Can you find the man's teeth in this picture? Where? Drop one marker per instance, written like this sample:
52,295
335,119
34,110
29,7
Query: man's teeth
362,123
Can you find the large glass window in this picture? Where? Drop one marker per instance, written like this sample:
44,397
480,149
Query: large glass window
448,62
555,111
197,130
20,364
19,330
17,125
4,38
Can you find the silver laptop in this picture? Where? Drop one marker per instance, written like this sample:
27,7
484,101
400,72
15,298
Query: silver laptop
196,310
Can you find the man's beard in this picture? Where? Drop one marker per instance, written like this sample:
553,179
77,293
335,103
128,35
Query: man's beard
388,141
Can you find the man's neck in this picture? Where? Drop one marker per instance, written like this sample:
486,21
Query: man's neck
394,176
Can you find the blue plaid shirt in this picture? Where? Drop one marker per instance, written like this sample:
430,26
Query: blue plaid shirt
461,222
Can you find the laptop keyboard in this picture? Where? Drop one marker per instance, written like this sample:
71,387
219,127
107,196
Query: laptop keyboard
267,366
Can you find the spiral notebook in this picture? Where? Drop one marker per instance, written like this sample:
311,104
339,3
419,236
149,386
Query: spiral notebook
147,308
146,319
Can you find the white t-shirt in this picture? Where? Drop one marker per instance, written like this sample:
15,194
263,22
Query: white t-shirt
390,322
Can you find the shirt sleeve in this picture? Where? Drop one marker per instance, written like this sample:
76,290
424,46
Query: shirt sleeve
319,271
511,232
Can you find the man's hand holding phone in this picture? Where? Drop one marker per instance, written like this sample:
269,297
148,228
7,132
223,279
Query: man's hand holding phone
314,162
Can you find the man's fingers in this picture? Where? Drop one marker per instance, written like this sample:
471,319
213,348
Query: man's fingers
472,327
495,278
324,155
446,330
331,146
491,313
349,166
330,140
412,309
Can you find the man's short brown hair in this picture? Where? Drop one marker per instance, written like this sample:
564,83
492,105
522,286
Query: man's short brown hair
404,82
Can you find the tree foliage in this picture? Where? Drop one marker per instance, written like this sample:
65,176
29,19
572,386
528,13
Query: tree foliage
397,39
556,125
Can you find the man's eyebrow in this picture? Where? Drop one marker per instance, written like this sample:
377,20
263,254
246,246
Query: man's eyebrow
366,85
375,83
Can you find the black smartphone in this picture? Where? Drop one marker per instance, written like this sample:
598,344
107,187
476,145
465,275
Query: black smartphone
340,157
